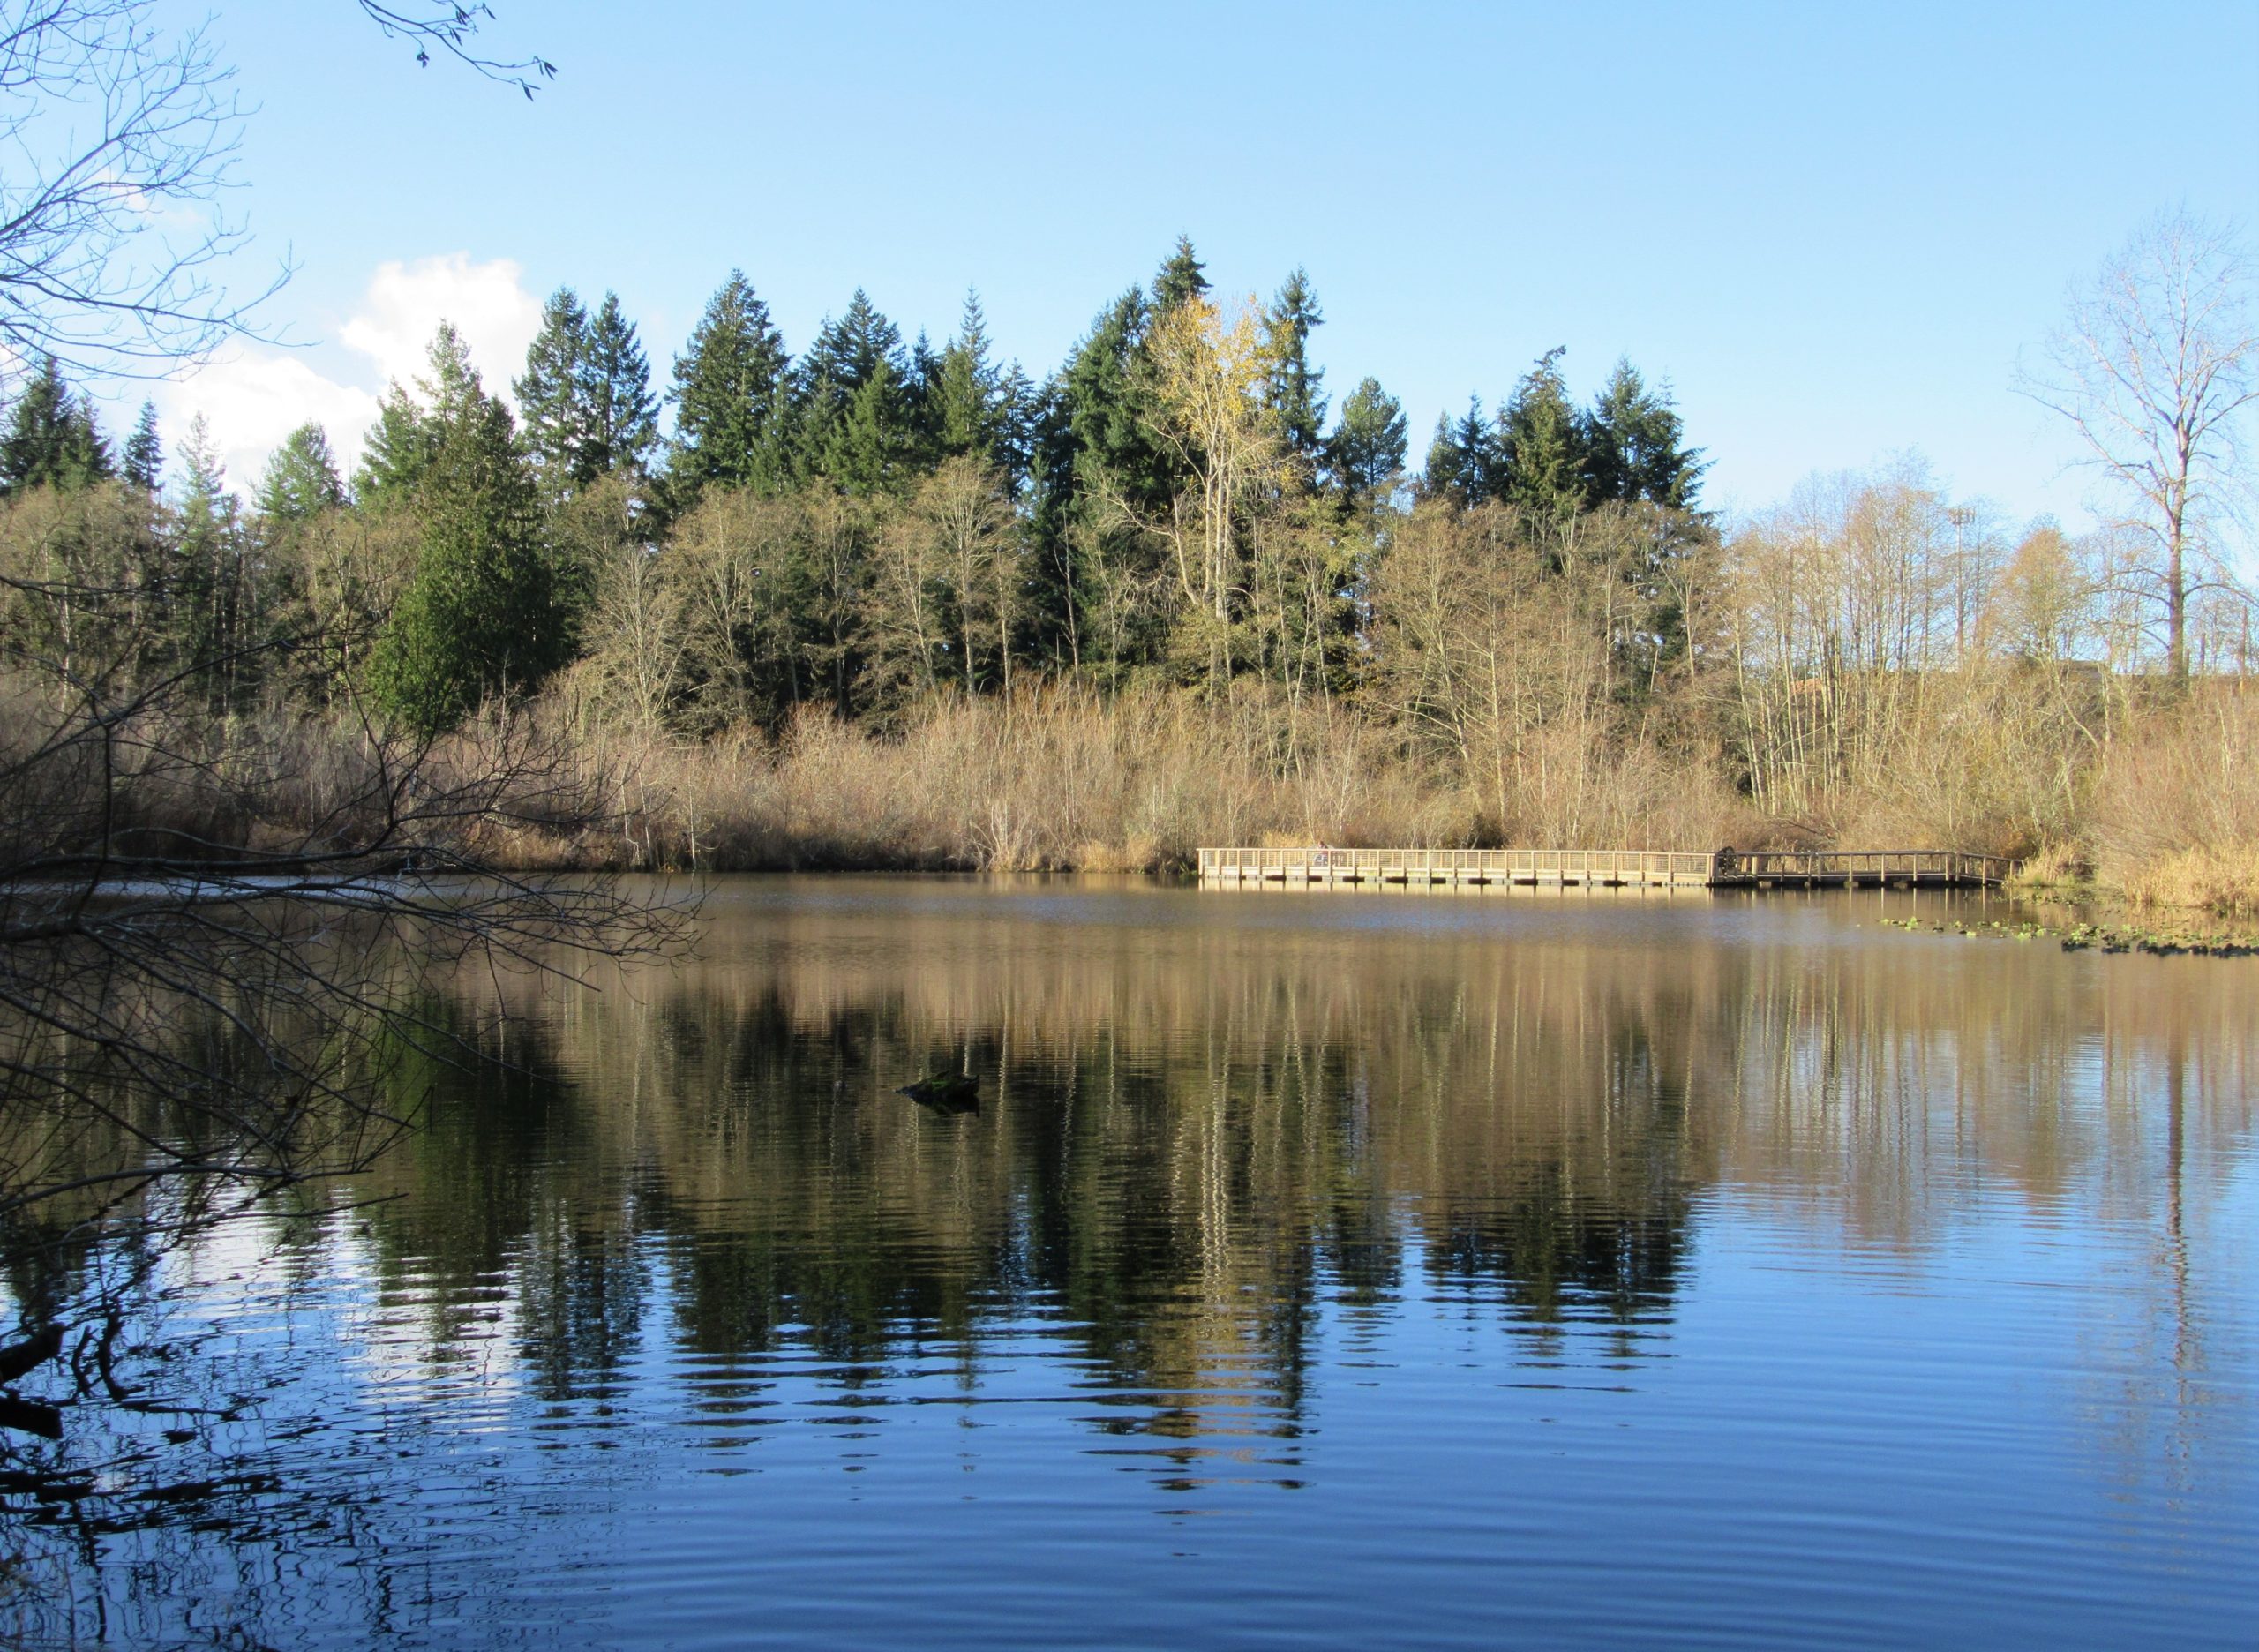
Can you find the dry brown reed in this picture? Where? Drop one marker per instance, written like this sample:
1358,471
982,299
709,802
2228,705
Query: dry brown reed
2175,818
2164,810
1064,779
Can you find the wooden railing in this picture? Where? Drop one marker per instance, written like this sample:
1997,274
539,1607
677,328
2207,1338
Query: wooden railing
1640,868
1851,867
1644,867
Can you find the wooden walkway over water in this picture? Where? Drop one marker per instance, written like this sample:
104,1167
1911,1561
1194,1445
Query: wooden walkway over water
1598,868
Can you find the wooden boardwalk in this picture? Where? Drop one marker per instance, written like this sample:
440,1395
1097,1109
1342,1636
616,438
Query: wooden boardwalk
1598,868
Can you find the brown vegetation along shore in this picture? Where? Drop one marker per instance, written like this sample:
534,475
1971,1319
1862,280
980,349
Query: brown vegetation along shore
2158,806
2164,810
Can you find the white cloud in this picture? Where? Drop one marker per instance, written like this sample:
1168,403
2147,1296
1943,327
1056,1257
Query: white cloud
252,402
406,303
253,398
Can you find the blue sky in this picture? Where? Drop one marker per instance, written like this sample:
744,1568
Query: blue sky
1831,228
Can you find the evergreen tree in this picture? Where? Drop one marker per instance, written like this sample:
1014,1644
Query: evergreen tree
921,391
208,600
1635,446
405,440
848,352
1464,463
732,411
869,447
1108,430
53,439
971,398
859,423
1293,391
484,612
551,408
395,454
301,480
1367,452
1543,441
586,399
145,452
623,415
1092,452
1181,277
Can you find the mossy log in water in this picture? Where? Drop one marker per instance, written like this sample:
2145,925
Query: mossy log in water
952,1091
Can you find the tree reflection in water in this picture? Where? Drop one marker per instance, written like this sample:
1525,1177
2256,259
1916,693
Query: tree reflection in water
1224,1146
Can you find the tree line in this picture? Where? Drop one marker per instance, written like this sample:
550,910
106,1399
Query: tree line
871,525
853,526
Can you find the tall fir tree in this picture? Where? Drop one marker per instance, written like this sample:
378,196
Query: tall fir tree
859,422
484,612
144,463
1094,462
404,441
53,439
1635,445
301,480
585,402
1365,455
971,400
732,414
623,414
1543,440
207,599
1181,276
553,411
1466,463
1293,390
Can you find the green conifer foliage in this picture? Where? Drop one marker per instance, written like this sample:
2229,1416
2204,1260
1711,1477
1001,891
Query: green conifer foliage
210,600
1544,444
731,414
972,399
868,448
145,452
404,440
859,423
1465,459
1293,390
585,400
552,412
301,480
483,614
1635,445
52,439
1181,276
1104,400
622,415
1366,451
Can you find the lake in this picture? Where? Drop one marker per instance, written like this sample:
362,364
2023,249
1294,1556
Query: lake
1314,1271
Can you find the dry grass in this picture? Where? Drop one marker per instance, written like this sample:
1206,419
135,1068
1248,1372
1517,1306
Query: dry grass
2175,813
2224,882
2054,866
2166,814
1063,779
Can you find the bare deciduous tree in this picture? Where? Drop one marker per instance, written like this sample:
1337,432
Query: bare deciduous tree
120,143
453,28
118,138
2157,367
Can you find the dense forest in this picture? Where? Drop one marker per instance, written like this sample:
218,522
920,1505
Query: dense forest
885,602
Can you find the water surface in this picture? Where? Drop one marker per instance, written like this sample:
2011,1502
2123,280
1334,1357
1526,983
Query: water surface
1347,1270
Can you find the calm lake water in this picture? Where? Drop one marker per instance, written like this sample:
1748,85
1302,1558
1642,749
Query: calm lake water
1316,1271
